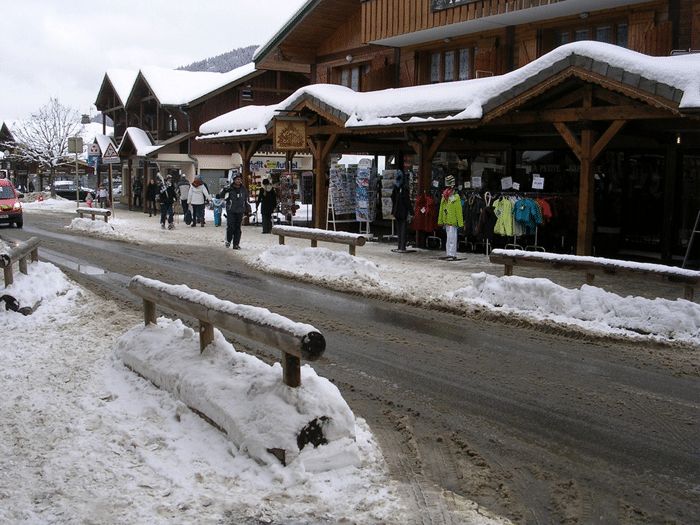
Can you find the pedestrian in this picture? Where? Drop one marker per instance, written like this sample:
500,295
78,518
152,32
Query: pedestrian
151,194
237,205
401,208
88,199
167,197
31,187
183,188
103,196
218,204
137,191
267,201
198,196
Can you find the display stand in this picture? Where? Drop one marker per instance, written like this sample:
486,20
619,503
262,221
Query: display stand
535,247
331,217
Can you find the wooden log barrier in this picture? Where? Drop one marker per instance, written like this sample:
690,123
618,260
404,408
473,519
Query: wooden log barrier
592,266
315,235
28,249
296,341
103,212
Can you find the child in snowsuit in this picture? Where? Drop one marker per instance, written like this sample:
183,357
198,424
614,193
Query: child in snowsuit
218,208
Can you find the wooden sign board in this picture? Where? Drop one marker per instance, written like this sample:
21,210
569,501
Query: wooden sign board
290,134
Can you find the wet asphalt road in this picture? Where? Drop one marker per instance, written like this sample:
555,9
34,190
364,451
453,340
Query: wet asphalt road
535,427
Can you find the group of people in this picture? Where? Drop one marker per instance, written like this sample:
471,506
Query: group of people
194,197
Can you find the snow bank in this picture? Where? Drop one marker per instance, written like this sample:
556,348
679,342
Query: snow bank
243,395
591,308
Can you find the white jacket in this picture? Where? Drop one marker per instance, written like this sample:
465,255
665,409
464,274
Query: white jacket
198,194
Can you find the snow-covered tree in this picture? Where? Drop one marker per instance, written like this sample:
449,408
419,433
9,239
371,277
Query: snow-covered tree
42,140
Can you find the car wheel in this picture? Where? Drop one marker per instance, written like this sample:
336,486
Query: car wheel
19,223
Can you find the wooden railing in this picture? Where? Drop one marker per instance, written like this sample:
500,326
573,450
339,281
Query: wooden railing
315,235
103,212
19,253
296,341
592,266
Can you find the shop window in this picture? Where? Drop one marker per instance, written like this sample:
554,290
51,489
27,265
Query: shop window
453,64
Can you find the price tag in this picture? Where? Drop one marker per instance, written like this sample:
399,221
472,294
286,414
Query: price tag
516,186
476,181
506,183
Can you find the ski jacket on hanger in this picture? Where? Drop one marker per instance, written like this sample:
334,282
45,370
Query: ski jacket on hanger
451,211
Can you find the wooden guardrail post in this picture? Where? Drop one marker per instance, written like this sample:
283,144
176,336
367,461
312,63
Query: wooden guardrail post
20,254
294,340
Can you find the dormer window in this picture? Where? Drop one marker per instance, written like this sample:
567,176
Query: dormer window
172,124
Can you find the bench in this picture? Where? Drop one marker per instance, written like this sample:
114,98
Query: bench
294,340
592,266
315,235
19,253
104,212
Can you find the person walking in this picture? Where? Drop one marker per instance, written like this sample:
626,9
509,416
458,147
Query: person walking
137,189
151,194
267,200
167,197
198,197
237,205
103,196
401,208
183,188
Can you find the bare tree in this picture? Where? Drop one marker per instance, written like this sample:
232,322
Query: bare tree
42,140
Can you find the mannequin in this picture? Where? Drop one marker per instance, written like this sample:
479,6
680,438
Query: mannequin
401,208
450,216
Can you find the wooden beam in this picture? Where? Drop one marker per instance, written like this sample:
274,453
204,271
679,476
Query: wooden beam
569,138
627,112
437,142
606,137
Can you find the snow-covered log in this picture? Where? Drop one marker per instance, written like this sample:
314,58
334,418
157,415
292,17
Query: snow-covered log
315,235
19,253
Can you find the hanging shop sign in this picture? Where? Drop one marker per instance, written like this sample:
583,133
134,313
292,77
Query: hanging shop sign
290,134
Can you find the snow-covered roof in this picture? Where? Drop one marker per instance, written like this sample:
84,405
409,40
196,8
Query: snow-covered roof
675,78
141,141
122,81
176,87
293,20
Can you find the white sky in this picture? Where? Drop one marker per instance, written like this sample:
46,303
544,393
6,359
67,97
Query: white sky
62,49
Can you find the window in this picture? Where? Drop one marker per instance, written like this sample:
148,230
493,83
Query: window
608,33
352,76
247,93
172,124
453,64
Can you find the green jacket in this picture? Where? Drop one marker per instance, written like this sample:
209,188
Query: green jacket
451,211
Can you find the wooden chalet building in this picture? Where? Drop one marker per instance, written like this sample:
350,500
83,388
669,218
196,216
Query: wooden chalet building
624,145
169,105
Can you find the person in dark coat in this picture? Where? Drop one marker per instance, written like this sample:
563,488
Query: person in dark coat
237,206
137,189
267,200
401,208
167,197
151,195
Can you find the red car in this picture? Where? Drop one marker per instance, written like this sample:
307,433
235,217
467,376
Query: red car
10,207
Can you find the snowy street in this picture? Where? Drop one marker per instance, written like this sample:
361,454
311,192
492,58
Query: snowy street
153,460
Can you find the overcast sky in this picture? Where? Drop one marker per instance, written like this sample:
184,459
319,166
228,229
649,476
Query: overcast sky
52,48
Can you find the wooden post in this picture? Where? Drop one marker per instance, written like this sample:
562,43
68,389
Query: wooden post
590,277
8,275
35,254
584,240
689,292
669,194
291,366
351,249
281,239
106,217
149,312
23,265
320,150
314,243
206,335
129,188
507,269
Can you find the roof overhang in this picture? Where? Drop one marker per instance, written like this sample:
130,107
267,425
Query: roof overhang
488,23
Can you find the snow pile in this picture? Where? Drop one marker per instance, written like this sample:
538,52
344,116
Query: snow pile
85,440
97,226
243,395
48,204
320,265
591,308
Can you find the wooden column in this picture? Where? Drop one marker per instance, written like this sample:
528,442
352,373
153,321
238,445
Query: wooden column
321,149
670,177
587,151
129,188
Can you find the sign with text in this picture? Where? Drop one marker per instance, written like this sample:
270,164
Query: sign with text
476,181
506,183
537,182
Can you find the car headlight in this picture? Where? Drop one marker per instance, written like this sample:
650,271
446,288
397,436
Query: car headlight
17,206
